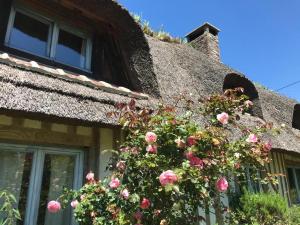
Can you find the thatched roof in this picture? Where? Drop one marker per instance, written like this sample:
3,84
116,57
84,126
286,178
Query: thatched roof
29,91
162,69
279,110
180,68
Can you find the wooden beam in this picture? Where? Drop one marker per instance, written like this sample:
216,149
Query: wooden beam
53,119
42,136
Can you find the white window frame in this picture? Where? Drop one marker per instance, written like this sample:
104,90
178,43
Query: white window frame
39,18
54,28
36,175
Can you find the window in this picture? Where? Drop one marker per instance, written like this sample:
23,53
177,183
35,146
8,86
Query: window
296,117
48,38
232,81
69,49
36,175
294,184
30,35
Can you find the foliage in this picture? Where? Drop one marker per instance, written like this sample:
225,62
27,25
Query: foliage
8,213
262,209
294,215
169,165
161,35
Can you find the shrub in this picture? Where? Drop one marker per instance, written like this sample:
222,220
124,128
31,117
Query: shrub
262,209
294,215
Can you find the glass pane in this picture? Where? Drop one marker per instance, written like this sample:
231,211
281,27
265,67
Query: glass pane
293,190
15,168
29,34
298,182
70,49
58,173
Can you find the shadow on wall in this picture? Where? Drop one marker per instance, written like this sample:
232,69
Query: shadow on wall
296,117
234,81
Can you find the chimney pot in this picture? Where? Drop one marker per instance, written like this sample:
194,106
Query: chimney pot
205,39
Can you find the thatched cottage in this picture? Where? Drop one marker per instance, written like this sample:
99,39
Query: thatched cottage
63,66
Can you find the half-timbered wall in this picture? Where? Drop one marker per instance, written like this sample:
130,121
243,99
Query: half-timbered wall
96,142
39,158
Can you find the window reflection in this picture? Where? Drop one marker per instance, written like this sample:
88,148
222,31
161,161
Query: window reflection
70,49
29,34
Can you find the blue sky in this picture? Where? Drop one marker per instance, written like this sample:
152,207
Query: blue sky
260,38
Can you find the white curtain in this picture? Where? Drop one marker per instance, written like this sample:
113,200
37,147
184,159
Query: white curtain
62,173
11,172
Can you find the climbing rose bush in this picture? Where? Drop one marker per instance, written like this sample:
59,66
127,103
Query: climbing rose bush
169,165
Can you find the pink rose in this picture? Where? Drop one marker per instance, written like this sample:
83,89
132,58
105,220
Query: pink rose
222,184
114,183
191,141
180,143
151,149
138,215
168,177
121,165
248,103
74,203
145,204
268,146
196,162
82,197
223,118
125,193
90,177
189,154
252,138
150,137
53,206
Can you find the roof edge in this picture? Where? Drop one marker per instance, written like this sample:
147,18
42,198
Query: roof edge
61,74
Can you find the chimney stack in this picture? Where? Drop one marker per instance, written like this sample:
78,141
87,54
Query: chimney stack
205,39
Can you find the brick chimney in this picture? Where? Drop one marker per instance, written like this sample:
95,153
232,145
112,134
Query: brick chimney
206,40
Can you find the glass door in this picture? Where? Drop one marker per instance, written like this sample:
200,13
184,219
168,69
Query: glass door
36,175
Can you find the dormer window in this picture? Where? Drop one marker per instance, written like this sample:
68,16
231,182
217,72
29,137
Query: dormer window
46,37
296,117
80,41
232,81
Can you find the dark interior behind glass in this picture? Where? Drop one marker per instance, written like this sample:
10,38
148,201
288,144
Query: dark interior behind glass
70,49
29,34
